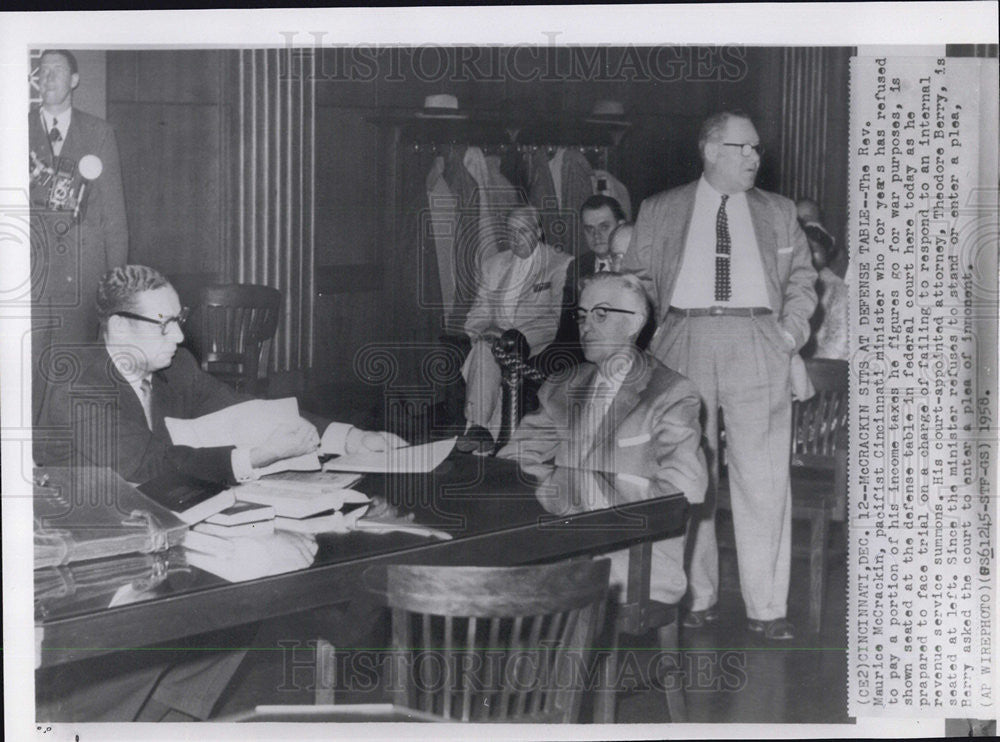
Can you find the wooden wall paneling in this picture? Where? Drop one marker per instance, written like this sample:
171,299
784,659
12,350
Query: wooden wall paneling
122,71
347,207
171,172
178,76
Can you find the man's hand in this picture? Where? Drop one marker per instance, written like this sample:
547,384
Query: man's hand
364,440
285,441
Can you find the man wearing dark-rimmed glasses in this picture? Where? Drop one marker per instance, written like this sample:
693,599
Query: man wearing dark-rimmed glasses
112,403
729,272
147,378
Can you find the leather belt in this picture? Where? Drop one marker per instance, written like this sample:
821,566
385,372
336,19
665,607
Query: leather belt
722,311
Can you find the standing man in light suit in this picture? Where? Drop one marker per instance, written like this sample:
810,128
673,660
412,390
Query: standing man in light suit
729,271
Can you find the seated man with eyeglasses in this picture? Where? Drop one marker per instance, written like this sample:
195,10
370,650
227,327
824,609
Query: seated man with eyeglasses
122,389
138,367
621,412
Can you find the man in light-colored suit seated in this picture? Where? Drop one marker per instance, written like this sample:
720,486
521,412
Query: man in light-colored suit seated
621,412
522,289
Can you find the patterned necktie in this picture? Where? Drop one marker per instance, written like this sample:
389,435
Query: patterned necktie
723,287
146,399
54,135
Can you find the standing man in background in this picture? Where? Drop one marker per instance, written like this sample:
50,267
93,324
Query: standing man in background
729,271
600,215
78,225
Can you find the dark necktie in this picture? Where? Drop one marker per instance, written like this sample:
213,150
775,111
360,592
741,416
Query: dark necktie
723,287
146,399
54,135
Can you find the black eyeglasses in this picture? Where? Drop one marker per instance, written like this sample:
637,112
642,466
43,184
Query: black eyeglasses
164,324
746,149
600,313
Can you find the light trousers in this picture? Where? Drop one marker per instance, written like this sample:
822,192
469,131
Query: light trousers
741,365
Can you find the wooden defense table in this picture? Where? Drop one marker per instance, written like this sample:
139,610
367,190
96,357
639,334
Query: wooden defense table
497,513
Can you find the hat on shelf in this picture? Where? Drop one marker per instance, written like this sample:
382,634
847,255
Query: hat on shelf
441,106
607,112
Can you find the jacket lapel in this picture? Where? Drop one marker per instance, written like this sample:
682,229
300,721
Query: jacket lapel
577,396
767,243
763,230
625,401
675,241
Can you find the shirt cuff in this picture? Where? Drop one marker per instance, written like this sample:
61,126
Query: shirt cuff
335,438
243,470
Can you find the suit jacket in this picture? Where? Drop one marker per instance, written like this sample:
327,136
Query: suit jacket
71,257
658,243
107,427
650,430
539,299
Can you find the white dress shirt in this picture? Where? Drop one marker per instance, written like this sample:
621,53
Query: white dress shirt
695,285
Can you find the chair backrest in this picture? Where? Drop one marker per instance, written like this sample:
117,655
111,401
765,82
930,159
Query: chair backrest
819,424
232,324
495,644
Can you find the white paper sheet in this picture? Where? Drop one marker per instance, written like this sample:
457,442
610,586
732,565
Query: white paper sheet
244,425
406,460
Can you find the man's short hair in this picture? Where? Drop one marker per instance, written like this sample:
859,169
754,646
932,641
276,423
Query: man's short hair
716,123
599,201
118,288
629,284
74,68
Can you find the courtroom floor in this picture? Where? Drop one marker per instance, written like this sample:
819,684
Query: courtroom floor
732,676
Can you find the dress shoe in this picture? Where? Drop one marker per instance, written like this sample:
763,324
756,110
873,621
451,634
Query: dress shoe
777,629
699,619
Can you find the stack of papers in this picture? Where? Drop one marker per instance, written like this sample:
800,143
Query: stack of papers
242,519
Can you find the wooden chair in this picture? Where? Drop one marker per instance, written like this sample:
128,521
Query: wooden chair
232,324
818,470
479,644
528,629
639,613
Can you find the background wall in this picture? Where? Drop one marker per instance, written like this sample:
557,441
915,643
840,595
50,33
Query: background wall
173,113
